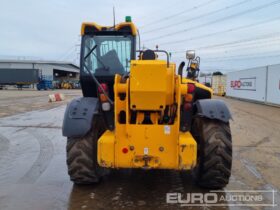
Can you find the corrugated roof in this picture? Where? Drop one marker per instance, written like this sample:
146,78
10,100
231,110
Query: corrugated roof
64,63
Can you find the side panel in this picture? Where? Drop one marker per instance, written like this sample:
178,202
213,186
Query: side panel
273,84
78,116
14,76
106,150
247,84
213,109
187,151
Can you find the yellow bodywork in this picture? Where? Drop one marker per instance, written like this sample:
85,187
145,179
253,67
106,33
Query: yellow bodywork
134,144
146,92
210,90
116,27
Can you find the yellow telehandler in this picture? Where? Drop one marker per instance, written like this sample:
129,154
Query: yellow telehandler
137,112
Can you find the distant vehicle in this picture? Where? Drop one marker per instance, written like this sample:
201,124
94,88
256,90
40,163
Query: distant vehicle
45,85
57,84
219,83
24,78
19,77
66,85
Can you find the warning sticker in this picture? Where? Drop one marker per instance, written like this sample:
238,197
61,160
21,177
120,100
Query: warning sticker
146,150
166,129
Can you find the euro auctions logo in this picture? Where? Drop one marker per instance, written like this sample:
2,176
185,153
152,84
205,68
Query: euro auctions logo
249,198
244,84
235,84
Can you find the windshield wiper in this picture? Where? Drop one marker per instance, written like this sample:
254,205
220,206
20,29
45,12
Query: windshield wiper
98,84
93,77
90,52
98,59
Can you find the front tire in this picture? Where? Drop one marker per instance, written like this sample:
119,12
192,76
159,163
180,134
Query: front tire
213,169
82,156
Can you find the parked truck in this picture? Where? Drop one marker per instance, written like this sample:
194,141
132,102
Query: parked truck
45,85
24,78
18,77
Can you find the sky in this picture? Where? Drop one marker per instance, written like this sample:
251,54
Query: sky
228,35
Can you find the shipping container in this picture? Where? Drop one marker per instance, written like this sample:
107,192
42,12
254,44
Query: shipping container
18,76
273,84
219,83
248,84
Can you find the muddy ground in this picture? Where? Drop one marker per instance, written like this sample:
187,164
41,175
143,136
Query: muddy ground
33,171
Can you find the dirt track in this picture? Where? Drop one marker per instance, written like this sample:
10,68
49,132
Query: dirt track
33,170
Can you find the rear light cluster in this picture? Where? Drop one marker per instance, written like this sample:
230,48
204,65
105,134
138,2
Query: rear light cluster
189,97
191,87
103,98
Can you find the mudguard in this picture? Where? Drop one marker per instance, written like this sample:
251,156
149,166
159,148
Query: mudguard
213,109
78,116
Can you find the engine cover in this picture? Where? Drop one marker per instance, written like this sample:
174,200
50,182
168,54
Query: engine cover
151,85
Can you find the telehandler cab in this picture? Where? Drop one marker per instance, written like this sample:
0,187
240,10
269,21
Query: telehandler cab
138,113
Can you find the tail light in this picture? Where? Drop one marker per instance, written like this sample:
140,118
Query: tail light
187,106
104,86
191,87
188,97
103,98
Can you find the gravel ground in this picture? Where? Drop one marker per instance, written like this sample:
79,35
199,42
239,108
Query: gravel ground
33,171
15,101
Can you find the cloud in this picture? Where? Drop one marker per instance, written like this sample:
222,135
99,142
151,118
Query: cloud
50,29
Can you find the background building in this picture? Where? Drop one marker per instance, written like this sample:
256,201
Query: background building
55,70
17,71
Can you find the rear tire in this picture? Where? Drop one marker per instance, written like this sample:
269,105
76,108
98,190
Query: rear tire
213,169
82,156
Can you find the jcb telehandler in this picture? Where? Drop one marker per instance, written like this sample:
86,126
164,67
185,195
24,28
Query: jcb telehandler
137,112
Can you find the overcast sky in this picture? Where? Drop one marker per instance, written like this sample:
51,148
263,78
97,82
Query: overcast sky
227,34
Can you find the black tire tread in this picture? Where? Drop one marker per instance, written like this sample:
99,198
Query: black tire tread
214,153
82,157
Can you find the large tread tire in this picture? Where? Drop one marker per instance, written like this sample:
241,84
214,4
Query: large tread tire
213,169
82,156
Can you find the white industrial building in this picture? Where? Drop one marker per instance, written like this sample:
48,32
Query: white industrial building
53,70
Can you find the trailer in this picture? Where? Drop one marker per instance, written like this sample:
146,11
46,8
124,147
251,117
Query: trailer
25,77
219,83
19,77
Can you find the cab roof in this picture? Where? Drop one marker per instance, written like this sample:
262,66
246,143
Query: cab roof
91,28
